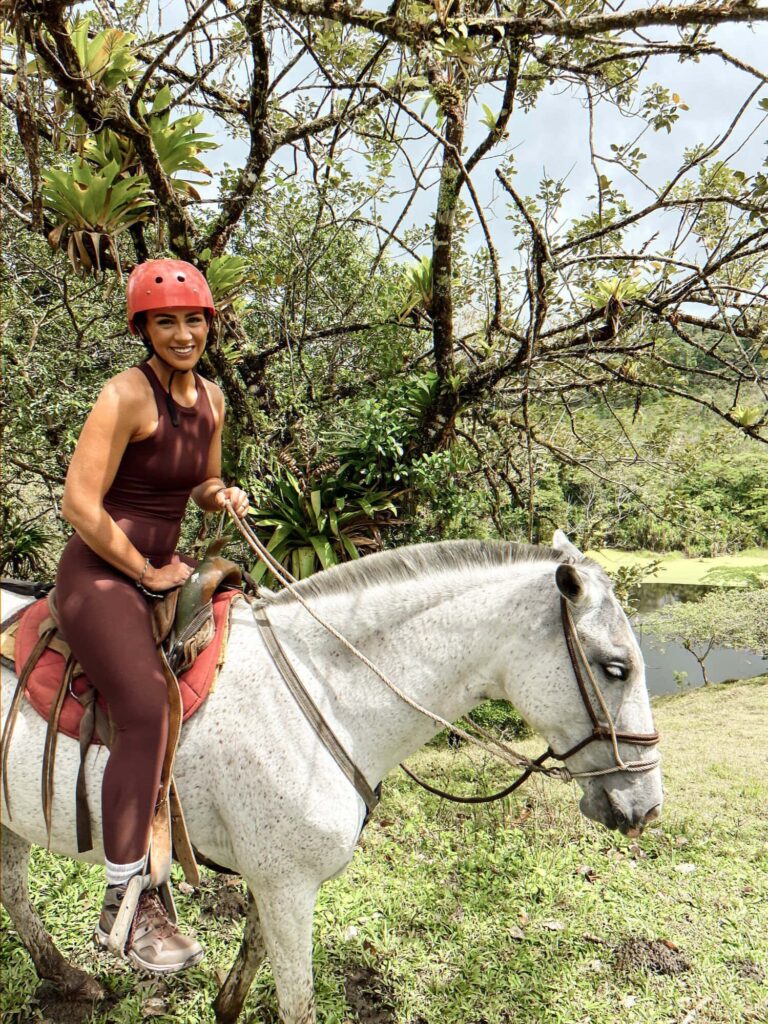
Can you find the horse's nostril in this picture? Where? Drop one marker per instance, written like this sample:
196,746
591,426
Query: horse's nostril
653,814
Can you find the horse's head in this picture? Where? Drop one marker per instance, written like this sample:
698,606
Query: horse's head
617,767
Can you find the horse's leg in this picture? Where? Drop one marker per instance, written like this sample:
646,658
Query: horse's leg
233,993
49,962
286,917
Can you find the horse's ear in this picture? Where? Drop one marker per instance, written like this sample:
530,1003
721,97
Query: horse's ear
561,543
571,583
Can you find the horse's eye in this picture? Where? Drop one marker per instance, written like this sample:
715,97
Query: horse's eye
616,670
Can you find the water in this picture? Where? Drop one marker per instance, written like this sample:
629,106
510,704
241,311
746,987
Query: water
662,660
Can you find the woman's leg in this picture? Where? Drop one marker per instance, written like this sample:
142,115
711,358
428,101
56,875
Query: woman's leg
107,623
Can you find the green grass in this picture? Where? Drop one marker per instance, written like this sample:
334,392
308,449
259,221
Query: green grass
522,912
733,570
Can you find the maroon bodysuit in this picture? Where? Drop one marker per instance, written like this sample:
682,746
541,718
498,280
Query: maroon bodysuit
107,620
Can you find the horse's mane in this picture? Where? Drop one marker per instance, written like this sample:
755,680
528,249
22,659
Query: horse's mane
404,563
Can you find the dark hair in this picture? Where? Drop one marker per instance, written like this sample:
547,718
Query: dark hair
140,322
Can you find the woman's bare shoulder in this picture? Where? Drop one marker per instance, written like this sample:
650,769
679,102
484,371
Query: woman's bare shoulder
127,386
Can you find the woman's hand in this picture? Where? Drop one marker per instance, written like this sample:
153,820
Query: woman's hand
237,498
167,577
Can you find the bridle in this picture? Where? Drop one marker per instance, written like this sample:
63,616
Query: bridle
585,679
601,730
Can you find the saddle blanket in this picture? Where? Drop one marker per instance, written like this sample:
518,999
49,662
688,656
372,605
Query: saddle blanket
43,684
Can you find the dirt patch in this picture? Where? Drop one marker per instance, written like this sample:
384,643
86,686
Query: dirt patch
222,897
651,956
369,996
749,970
48,1006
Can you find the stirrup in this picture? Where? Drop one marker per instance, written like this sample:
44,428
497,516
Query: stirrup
118,936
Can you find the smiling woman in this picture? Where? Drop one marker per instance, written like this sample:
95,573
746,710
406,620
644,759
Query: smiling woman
143,452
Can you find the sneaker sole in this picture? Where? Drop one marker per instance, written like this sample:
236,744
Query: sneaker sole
101,939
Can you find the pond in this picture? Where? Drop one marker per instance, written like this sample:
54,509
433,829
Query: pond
662,660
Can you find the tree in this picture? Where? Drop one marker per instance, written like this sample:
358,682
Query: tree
724,618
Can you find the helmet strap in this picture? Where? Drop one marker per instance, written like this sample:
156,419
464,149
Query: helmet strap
170,404
172,410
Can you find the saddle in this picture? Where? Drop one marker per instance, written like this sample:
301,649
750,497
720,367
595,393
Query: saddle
190,628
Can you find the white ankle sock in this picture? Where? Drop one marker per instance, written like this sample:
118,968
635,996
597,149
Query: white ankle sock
119,874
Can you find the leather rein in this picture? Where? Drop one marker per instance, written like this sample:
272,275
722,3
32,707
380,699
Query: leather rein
603,730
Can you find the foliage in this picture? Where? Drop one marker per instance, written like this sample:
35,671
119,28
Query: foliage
320,521
23,548
727,617
724,618
93,206
627,580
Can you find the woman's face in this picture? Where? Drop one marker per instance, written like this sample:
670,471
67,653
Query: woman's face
178,334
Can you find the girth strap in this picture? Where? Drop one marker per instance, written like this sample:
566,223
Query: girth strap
311,710
49,750
18,697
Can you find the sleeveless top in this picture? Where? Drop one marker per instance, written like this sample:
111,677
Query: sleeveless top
149,494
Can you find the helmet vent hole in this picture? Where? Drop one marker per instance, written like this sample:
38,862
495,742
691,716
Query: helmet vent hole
180,277
158,280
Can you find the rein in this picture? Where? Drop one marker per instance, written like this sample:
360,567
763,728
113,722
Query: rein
489,743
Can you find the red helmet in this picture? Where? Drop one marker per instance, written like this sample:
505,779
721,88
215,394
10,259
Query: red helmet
160,284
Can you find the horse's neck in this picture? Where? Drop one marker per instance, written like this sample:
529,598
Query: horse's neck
439,640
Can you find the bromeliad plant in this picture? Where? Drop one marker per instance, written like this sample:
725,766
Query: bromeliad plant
93,206
315,523
176,143
104,192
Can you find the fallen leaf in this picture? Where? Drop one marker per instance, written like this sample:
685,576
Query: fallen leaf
685,869
185,888
153,1008
220,975
516,933
553,926
670,945
586,872
628,1001
595,965
350,933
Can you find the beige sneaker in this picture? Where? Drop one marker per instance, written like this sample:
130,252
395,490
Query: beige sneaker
154,943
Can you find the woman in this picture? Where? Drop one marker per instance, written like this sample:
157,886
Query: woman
152,440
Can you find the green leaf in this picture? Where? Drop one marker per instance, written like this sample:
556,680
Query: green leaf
162,99
324,551
351,549
317,503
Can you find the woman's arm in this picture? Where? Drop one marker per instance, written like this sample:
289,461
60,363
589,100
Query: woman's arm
212,493
114,419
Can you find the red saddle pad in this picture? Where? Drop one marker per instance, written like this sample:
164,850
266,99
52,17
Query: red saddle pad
43,684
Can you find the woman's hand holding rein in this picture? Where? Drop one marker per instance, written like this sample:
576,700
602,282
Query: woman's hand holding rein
237,498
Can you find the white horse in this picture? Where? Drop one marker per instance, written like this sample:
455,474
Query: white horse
453,623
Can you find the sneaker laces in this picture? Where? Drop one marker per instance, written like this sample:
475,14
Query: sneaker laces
151,912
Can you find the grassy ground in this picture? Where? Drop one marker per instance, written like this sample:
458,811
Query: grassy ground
726,570
521,913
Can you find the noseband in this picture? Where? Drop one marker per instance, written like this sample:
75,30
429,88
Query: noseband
601,730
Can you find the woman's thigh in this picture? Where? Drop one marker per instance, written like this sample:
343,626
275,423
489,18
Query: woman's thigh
107,622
